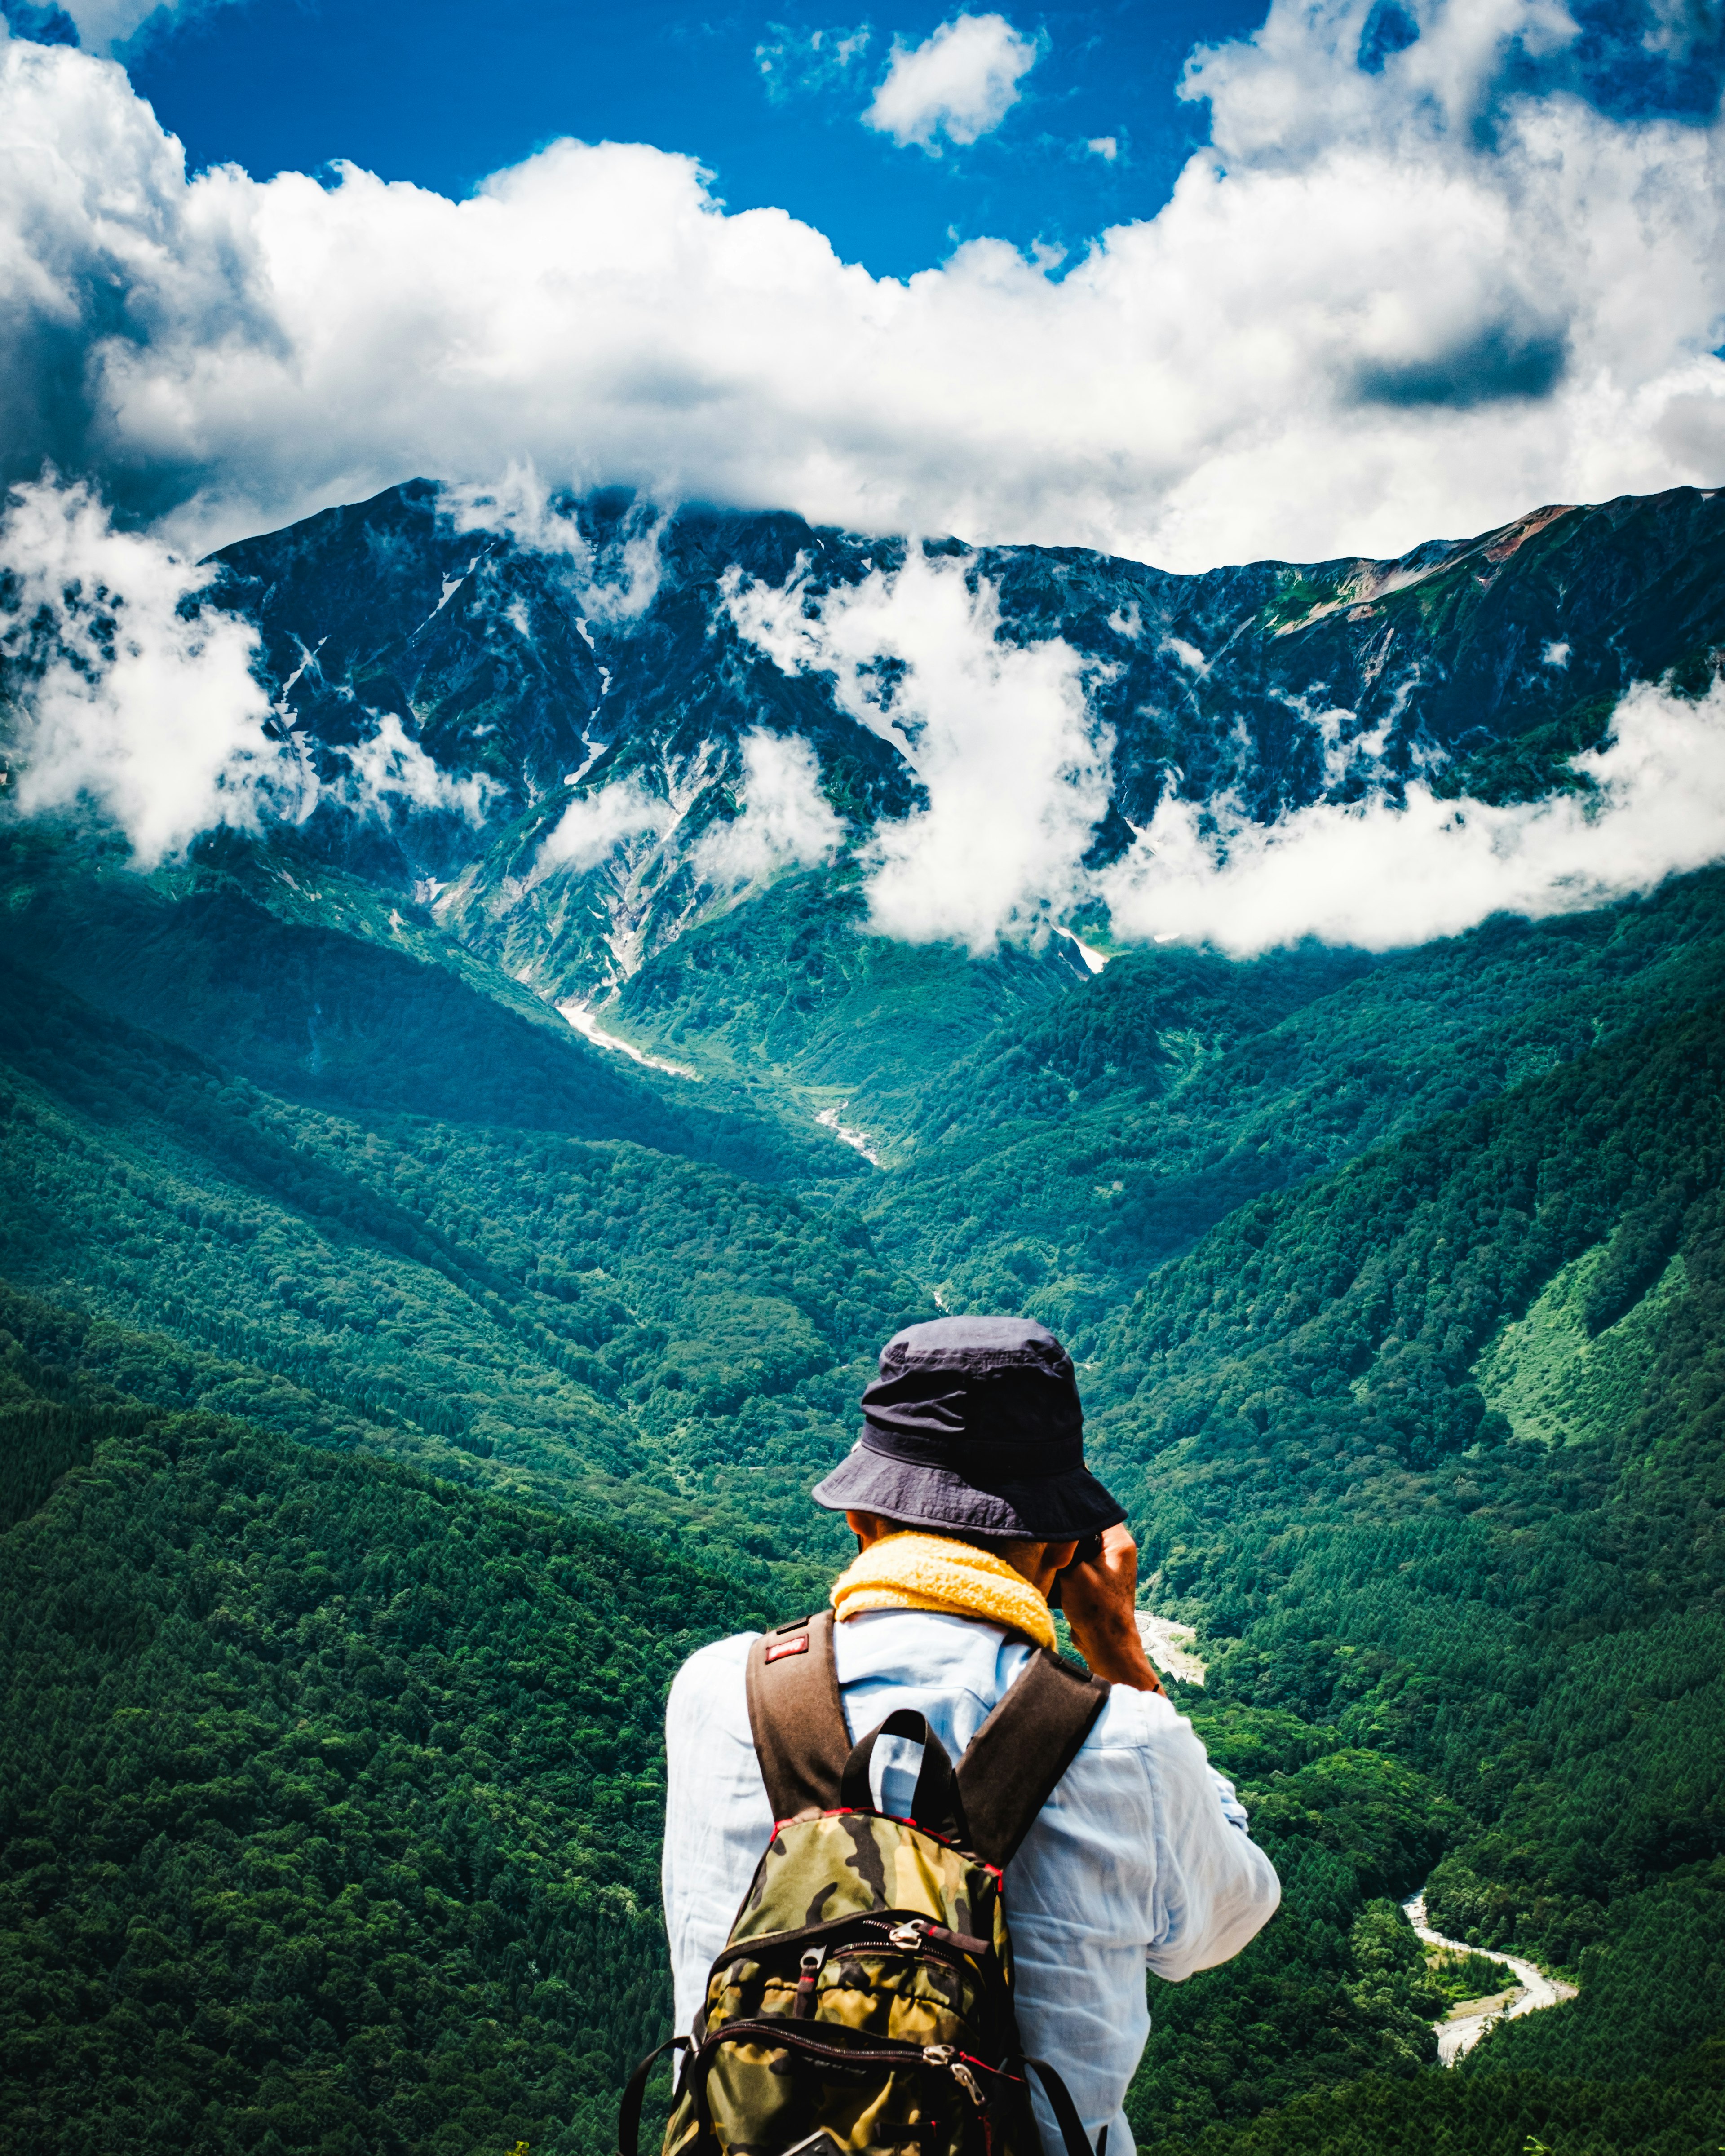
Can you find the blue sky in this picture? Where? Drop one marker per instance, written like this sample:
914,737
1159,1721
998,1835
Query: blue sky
436,93
441,94
1389,269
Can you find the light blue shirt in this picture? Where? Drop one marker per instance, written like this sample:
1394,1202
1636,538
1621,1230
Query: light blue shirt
1139,1858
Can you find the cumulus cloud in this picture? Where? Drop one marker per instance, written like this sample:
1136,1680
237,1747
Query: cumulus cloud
390,770
595,826
1389,303
960,82
128,697
786,822
999,736
1382,876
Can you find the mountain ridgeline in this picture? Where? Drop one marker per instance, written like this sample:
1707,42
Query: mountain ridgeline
436,1258
563,653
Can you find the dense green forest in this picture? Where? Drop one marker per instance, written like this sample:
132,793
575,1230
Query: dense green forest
395,1388
331,1792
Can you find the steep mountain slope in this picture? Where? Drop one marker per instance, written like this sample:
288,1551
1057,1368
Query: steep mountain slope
602,654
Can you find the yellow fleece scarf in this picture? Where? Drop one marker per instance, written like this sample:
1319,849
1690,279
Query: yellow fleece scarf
927,1572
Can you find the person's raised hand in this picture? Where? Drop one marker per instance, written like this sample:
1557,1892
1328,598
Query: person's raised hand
1101,1602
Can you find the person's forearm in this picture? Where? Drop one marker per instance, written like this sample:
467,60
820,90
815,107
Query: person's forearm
1116,1656
1101,1602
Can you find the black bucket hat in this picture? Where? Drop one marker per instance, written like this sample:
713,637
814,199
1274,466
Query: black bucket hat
975,1423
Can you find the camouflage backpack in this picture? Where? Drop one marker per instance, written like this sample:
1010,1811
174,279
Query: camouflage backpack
863,2004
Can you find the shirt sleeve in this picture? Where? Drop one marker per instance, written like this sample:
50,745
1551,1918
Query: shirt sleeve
1233,1810
717,1819
1216,1889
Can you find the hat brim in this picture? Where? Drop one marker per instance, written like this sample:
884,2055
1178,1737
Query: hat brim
1054,1508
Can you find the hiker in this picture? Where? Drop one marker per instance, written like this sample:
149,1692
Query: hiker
971,1505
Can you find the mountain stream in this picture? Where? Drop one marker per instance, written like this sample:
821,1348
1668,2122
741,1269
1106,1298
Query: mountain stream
1463,2025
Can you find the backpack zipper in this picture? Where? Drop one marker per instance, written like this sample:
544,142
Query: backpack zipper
802,2007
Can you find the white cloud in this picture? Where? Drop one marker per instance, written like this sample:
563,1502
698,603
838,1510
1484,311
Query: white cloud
1382,877
960,82
595,826
786,822
1365,319
136,701
131,701
1105,146
390,768
999,734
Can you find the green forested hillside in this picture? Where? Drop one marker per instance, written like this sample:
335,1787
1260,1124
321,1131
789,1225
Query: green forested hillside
303,980
1061,1160
493,1301
1536,1624
389,1406
330,1796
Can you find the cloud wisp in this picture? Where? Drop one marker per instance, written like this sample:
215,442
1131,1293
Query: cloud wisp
110,26
1389,302
1382,875
133,699
960,82
617,585
595,825
786,821
796,63
389,770
999,736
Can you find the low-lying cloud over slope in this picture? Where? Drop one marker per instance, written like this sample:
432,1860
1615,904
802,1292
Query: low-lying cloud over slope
138,704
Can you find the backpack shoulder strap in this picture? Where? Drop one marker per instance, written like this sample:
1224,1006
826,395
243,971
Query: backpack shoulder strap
796,1716
1013,1763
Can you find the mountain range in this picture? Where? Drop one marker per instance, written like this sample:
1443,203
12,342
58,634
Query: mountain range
446,1228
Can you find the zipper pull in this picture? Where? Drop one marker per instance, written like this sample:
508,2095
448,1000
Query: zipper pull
909,1936
946,2055
968,2081
803,2007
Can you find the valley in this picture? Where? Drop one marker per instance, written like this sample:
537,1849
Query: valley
445,1229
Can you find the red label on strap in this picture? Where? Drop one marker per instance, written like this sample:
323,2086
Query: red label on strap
777,1649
